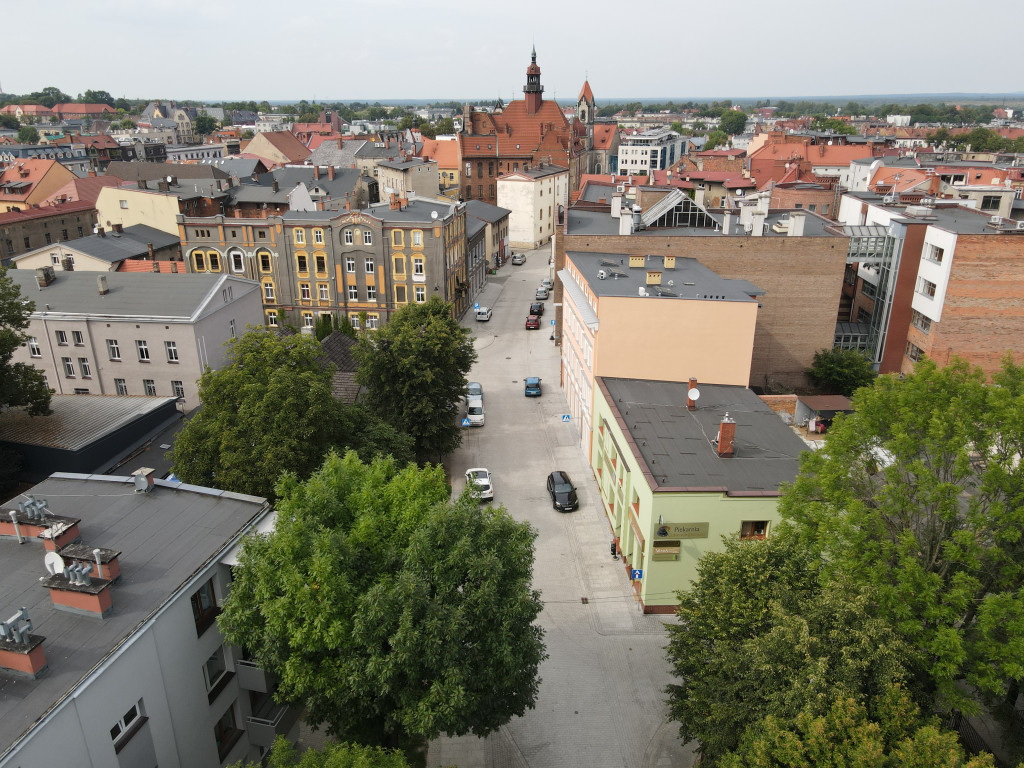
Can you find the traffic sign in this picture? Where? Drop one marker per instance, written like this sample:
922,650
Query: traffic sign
552,321
566,417
476,305
465,422
636,573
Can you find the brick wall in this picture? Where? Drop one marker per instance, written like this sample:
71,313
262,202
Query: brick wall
802,278
823,200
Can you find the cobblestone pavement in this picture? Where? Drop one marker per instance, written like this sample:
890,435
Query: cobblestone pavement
601,700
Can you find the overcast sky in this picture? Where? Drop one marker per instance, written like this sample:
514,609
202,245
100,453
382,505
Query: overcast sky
217,50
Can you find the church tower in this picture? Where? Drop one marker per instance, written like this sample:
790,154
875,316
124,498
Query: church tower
585,108
533,89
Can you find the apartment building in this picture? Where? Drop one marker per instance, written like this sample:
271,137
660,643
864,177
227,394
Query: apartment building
117,333
537,197
655,149
22,231
311,263
111,656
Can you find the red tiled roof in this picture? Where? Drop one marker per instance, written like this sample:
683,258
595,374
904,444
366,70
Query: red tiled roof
604,135
16,217
76,107
446,153
722,153
585,92
27,109
86,189
146,265
34,170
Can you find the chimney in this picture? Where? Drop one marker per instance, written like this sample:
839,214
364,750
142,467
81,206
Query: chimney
616,205
92,173
274,185
67,264
340,142
73,589
21,653
101,284
107,563
119,228
394,202
403,203
174,181
156,266
727,223
691,405
348,206
796,224
149,250
143,479
174,267
726,437
143,184
45,276
316,172
330,173
757,224
101,232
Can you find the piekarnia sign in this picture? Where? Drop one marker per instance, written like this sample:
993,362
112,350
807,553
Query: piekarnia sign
683,530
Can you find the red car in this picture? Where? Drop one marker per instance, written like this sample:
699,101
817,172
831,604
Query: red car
532,323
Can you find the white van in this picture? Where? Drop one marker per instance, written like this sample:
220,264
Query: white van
483,314
475,411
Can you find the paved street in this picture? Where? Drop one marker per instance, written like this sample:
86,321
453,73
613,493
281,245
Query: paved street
601,700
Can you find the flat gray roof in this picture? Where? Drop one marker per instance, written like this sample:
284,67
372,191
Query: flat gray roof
675,446
581,222
76,421
689,279
417,210
164,537
954,218
132,294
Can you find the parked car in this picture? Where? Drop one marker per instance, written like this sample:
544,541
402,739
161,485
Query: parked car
475,411
542,293
478,480
474,389
562,492
518,258
483,314
537,308
532,386
546,282
532,323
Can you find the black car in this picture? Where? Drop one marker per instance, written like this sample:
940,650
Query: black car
562,492
537,308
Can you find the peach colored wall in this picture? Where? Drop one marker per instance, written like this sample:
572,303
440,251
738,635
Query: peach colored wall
674,339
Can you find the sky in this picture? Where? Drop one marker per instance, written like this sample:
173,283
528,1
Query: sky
215,50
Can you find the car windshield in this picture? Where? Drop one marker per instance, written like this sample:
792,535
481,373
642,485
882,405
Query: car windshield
475,410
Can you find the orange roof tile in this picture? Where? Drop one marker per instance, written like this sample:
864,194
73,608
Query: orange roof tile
585,92
446,153
604,135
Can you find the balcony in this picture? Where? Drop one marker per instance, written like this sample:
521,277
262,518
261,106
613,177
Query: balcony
252,677
277,721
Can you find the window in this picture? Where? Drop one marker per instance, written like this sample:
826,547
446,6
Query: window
301,262
321,263
371,321
307,319
988,203
925,287
150,386
268,292
214,671
225,732
83,366
914,352
62,337
27,245
318,236
921,322
124,204
371,293
480,170
126,727
199,261
350,264
400,294
324,291
754,529
81,232
113,350
369,266
264,261
417,266
398,238
934,254
261,234
304,293
354,320
417,238
421,294
171,348
869,289
143,349
300,236
69,367
121,386
399,266
34,349
204,607
353,292
76,336
231,327
367,237
49,239
214,261
348,237
237,262
272,318
63,234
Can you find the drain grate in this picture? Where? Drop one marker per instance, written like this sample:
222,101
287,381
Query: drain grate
585,600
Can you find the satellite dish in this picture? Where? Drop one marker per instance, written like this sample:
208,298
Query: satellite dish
54,563
433,215
693,394
643,291
170,179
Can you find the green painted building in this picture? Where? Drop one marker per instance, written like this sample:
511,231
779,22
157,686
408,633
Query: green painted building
679,470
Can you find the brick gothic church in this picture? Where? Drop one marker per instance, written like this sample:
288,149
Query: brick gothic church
521,136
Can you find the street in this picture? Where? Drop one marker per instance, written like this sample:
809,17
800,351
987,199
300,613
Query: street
601,700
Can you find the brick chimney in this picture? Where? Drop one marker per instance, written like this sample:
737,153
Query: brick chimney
149,250
691,405
76,591
119,228
726,437
101,231
156,266
45,276
316,172
394,202
330,173
21,653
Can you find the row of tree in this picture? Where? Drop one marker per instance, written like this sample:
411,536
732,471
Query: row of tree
888,598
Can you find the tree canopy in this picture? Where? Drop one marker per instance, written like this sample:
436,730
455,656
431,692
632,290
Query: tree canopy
732,121
204,124
284,755
415,370
28,135
389,612
270,410
840,371
20,384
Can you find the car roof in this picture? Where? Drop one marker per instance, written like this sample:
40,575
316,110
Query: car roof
477,469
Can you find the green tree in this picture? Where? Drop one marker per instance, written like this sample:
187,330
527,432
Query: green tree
716,139
204,124
9,121
324,327
833,125
28,135
840,371
427,131
917,497
893,735
445,126
247,134
20,384
733,121
97,97
415,369
760,635
284,755
49,96
267,411
375,600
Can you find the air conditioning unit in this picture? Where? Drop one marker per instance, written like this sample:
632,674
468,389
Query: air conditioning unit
1020,225
620,188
